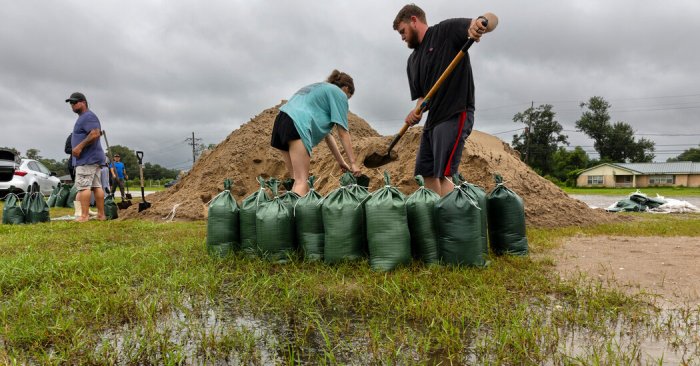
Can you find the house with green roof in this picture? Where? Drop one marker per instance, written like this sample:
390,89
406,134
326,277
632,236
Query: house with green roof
640,175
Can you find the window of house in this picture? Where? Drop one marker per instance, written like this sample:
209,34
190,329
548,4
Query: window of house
595,179
662,179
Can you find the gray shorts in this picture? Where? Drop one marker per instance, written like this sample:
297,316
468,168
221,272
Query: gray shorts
441,146
88,176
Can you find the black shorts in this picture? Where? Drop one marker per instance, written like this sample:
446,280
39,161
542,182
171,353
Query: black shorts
283,131
441,146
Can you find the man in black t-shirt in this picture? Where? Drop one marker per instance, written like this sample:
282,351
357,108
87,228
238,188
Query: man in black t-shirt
451,109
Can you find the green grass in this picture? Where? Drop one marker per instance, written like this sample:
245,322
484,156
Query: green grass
651,191
136,292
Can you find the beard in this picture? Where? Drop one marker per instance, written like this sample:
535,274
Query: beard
412,39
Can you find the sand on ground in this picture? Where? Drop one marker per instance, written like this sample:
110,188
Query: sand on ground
665,266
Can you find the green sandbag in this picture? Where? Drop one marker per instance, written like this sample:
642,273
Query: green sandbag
420,209
387,228
223,234
506,212
63,193
12,212
627,205
343,223
249,207
308,220
36,210
54,194
289,199
458,220
361,192
70,201
111,209
274,225
480,195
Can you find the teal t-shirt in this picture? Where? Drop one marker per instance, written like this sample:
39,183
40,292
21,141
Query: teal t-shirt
314,109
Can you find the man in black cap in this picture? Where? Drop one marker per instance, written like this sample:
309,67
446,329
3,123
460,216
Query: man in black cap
118,173
89,157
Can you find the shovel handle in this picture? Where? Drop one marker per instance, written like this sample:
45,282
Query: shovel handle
447,72
139,155
398,136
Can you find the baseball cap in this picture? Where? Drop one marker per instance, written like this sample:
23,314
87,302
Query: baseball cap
117,155
76,97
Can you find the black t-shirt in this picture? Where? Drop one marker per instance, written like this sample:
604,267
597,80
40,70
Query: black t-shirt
426,64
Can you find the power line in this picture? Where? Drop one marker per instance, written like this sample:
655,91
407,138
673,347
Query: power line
500,133
194,142
650,134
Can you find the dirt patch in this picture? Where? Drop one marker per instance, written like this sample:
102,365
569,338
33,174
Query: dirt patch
246,154
667,266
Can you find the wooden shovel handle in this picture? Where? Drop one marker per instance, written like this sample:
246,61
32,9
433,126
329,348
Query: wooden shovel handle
398,137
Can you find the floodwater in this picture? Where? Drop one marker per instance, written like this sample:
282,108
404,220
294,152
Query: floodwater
603,201
196,335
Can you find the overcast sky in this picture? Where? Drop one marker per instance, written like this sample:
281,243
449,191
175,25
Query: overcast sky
156,71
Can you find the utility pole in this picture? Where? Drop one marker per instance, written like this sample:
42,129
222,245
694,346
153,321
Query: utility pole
527,133
193,141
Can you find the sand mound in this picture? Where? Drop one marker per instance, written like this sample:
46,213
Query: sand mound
246,154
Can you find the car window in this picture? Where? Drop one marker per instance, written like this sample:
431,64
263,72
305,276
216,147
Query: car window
32,166
43,168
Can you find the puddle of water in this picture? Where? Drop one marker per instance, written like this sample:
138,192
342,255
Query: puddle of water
220,336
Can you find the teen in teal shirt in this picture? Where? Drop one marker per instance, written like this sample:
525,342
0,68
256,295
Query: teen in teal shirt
307,118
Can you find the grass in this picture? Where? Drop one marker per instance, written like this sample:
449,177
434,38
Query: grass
651,191
136,292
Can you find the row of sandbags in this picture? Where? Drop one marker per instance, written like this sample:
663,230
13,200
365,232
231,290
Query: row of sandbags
34,209
350,223
63,195
30,210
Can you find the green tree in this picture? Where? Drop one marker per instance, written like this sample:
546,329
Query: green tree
613,142
566,162
33,154
541,139
156,171
692,154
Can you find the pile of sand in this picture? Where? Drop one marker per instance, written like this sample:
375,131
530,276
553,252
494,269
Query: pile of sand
246,154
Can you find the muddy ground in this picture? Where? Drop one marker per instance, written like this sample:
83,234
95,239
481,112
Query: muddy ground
666,266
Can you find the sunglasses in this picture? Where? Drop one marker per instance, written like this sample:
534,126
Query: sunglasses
74,102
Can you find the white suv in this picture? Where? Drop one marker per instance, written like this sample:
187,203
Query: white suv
28,174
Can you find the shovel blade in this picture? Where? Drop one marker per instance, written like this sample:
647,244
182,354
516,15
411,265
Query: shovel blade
128,196
144,206
123,205
376,160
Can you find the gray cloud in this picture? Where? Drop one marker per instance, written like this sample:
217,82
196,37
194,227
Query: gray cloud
156,71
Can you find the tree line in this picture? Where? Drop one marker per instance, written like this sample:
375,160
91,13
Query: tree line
128,157
542,145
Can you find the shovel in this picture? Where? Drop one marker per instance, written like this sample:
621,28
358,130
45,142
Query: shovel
125,203
376,160
142,205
